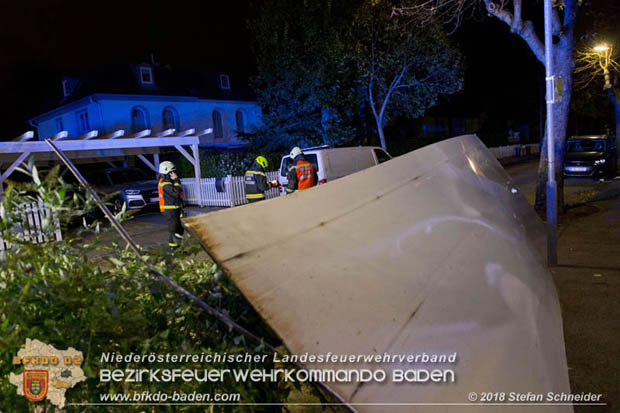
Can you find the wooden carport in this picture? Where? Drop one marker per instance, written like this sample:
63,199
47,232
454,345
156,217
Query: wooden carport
101,148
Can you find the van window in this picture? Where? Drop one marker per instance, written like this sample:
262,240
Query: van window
287,162
381,156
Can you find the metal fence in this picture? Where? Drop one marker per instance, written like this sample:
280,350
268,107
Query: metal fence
225,192
509,151
34,216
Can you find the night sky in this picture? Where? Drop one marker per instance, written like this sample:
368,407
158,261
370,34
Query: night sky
43,40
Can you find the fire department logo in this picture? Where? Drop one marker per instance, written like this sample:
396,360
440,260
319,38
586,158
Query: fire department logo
47,372
36,384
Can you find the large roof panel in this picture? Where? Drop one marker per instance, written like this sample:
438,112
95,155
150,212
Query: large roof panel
432,252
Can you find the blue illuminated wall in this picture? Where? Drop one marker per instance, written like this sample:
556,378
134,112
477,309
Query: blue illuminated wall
108,113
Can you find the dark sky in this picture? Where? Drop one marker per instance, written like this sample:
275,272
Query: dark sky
42,40
75,34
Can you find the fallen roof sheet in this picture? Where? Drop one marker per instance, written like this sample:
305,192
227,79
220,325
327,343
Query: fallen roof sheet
432,252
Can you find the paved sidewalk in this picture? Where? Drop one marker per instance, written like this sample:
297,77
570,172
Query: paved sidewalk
588,283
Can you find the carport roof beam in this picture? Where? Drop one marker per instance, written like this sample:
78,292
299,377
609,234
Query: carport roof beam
194,161
14,165
17,151
101,144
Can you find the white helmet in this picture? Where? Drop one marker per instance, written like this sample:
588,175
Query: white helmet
295,152
166,167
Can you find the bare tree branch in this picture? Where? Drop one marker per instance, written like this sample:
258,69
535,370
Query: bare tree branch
525,30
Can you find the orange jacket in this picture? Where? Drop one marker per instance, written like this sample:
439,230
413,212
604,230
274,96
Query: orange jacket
301,176
170,194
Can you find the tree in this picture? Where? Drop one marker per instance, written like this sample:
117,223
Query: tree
61,294
512,14
403,68
599,62
322,63
305,82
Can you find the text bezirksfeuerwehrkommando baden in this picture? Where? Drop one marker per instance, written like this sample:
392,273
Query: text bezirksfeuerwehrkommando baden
350,373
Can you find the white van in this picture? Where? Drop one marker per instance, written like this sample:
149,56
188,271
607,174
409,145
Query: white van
334,163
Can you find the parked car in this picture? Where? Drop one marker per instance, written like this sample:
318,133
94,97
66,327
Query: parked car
590,156
334,163
134,187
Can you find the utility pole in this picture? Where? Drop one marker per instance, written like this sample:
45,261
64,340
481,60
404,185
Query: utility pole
552,212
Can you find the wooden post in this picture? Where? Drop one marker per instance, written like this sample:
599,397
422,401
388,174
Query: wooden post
231,190
14,165
197,174
156,161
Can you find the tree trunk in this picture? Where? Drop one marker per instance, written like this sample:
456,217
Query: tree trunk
563,67
614,102
380,132
325,123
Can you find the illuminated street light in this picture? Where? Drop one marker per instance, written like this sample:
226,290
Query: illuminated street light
601,48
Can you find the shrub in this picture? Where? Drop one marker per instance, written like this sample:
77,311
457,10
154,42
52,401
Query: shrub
55,292
218,165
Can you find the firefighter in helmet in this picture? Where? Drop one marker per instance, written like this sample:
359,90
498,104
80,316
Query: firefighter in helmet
256,182
301,174
171,202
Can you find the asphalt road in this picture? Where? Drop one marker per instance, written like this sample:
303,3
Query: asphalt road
149,227
576,190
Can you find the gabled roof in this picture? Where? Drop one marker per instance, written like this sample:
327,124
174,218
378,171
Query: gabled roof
167,81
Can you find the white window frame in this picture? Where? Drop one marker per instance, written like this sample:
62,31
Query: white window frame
65,88
146,69
224,81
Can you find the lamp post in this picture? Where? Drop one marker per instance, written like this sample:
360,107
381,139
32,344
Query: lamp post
552,250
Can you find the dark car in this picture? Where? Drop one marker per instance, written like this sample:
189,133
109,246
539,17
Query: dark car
135,188
590,156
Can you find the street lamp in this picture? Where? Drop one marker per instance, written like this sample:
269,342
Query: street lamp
601,48
552,252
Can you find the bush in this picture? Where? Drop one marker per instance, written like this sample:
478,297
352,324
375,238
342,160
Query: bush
218,165
56,293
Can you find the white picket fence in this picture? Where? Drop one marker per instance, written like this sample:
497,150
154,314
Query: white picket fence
230,190
33,217
225,192
514,150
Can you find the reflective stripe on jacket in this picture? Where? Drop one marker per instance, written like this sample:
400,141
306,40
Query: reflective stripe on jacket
255,182
170,194
301,176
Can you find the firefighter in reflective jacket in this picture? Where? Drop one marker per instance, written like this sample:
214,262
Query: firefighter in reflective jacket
256,182
171,202
302,174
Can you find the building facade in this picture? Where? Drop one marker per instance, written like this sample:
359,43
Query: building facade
153,98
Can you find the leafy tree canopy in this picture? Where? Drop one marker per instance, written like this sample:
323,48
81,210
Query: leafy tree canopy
319,61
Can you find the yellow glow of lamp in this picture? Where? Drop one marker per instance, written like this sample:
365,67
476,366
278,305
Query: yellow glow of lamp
601,48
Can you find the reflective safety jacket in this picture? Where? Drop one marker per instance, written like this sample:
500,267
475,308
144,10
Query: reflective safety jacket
170,193
302,175
255,182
